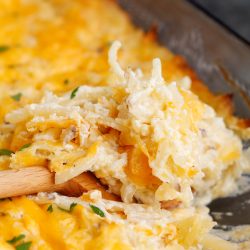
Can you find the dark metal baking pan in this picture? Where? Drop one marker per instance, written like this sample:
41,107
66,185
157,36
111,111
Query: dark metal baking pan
211,50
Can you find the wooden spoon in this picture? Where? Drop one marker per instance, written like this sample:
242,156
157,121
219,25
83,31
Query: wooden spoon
32,180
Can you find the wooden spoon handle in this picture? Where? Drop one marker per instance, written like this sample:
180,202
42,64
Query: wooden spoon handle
32,180
26,181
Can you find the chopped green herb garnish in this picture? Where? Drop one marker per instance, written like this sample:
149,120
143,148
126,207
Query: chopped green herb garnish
3,48
17,97
66,81
50,208
97,210
73,94
24,246
72,205
24,146
15,239
4,151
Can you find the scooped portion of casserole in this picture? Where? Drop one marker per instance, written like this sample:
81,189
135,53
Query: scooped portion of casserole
143,124
148,139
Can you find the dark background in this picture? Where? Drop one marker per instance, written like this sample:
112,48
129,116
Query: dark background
234,13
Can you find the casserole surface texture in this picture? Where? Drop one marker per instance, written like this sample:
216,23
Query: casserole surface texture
72,100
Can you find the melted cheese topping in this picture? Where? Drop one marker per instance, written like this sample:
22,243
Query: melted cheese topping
124,226
147,135
114,225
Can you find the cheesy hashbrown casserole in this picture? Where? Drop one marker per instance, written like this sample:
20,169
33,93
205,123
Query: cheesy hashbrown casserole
73,99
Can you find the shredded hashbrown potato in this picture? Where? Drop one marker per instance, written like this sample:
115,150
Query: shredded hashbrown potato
72,106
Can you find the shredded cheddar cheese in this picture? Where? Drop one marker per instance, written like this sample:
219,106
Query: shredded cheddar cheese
74,100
